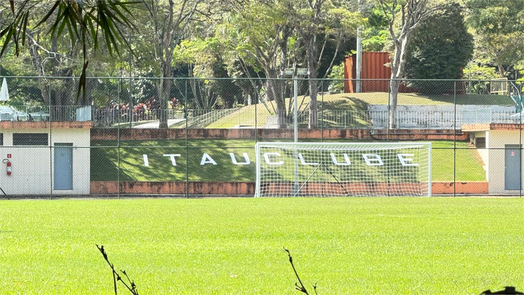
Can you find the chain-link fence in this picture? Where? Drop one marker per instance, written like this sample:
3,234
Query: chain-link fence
187,137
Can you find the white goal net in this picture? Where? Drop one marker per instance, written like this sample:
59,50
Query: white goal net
287,169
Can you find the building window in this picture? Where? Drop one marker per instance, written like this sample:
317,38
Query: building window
1,139
30,139
480,142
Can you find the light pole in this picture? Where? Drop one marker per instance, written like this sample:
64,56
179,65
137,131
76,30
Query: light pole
295,108
359,53
295,73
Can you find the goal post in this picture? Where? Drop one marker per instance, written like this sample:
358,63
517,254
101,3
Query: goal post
287,169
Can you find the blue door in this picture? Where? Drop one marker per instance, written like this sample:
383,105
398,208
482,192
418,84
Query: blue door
63,167
512,176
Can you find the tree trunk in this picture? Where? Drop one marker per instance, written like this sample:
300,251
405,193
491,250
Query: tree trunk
281,113
313,107
164,95
501,70
36,61
274,93
167,68
413,12
394,85
397,70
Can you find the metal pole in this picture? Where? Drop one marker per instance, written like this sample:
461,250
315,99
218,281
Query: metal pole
359,53
295,107
51,118
130,108
186,106
295,125
118,138
520,138
454,139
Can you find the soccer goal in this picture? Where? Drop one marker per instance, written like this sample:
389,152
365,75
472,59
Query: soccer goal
287,169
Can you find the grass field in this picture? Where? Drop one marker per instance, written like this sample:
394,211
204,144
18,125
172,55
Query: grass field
235,245
104,161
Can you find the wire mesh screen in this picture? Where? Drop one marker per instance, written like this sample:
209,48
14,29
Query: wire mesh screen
138,136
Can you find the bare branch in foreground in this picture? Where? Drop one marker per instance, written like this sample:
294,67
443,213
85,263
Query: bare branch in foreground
299,285
130,285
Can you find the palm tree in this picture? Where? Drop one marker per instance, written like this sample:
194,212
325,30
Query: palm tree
85,21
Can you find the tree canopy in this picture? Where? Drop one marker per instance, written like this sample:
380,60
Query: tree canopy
441,48
250,39
499,29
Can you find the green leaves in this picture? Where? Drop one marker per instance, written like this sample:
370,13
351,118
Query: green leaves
499,25
15,30
439,49
87,21
500,17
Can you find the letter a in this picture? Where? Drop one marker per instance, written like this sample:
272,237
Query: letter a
206,159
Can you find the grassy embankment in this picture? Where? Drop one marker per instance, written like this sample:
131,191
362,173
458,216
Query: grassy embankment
104,161
357,104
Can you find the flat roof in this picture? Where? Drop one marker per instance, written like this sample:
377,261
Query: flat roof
45,124
491,126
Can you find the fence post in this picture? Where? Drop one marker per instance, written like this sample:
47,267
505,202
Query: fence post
50,143
187,137
256,101
118,135
455,140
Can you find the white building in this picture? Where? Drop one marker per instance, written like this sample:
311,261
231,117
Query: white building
45,157
499,146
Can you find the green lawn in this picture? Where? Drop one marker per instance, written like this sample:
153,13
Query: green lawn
357,103
104,160
235,245
464,162
422,99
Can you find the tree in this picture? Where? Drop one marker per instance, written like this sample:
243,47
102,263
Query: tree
440,48
207,58
375,33
274,35
318,20
170,23
407,15
211,51
264,39
499,27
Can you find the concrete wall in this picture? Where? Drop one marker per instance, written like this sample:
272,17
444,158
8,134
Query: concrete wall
32,166
243,188
484,155
262,134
